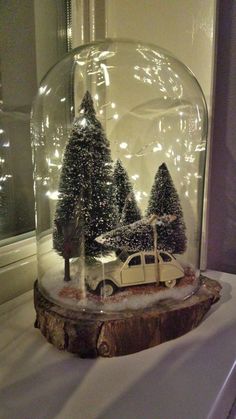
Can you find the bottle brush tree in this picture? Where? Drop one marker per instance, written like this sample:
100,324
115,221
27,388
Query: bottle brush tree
128,209
86,204
164,200
131,211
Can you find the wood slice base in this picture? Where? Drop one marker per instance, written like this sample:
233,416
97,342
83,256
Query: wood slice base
93,334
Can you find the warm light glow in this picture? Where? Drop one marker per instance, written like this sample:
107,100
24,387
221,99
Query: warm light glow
69,33
135,177
113,105
42,89
138,196
115,116
63,99
200,147
157,147
128,156
57,154
52,195
83,122
80,62
96,97
106,74
123,145
1,131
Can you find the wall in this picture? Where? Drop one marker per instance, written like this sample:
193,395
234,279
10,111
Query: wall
50,34
222,197
184,27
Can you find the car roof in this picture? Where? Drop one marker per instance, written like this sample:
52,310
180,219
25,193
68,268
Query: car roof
149,252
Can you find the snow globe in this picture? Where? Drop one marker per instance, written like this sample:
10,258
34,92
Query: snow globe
119,136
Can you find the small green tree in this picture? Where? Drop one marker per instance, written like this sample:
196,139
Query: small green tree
131,211
128,209
86,205
136,237
164,200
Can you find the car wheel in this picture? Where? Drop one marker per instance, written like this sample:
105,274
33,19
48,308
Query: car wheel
171,283
106,289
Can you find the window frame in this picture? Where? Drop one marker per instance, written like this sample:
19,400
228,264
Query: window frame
18,264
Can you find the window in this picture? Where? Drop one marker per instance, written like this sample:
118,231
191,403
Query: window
165,257
149,259
136,260
26,55
34,36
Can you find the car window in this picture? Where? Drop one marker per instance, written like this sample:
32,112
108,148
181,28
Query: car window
136,260
149,259
165,257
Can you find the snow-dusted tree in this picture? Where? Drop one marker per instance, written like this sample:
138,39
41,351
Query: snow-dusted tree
86,205
125,198
138,236
163,200
131,211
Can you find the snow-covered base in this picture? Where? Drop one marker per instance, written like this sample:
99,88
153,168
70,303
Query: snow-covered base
74,295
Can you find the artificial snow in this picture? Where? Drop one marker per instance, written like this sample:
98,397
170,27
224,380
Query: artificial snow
75,295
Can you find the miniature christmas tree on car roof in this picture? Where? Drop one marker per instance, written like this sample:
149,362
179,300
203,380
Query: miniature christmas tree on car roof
138,236
86,205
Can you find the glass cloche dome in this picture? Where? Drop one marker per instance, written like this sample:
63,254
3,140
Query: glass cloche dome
119,132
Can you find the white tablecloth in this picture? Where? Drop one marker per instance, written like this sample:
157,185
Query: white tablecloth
192,377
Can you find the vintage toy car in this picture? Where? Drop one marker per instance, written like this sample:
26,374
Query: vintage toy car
138,268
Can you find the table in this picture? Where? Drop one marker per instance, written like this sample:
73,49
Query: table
192,377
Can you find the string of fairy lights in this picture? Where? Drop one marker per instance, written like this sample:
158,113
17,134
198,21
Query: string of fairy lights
177,138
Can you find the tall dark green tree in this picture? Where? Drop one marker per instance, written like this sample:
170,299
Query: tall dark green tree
164,200
128,209
86,205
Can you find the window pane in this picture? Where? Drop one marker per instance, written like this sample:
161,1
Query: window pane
149,259
24,30
165,257
136,260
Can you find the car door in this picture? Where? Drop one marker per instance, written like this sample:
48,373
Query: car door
132,272
168,267
151,270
